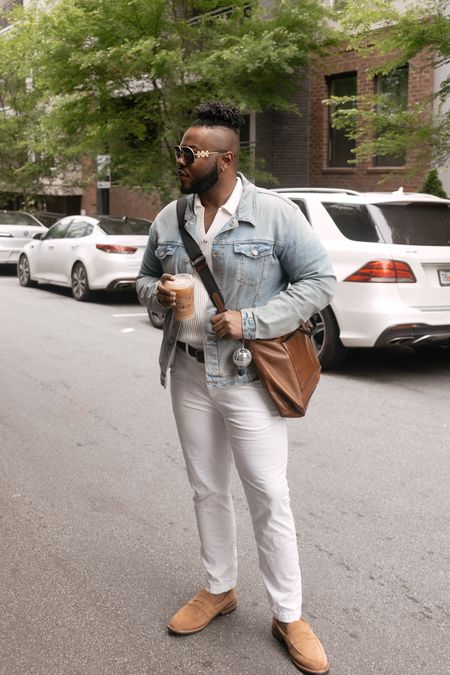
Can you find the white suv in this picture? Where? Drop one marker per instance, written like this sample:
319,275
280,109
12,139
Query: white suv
391,255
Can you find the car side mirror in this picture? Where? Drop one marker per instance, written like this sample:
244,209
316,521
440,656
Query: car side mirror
38,235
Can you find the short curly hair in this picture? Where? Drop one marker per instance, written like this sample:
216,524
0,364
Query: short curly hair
217,114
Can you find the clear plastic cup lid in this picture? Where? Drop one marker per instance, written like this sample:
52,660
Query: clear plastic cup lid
180,281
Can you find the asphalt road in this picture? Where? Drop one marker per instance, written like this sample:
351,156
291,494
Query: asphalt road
98,544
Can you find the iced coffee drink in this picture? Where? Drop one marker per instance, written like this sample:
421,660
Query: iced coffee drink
183,286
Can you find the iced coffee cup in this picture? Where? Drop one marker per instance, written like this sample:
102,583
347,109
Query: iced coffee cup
183,286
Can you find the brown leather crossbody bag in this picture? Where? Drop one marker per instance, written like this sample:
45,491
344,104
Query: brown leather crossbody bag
287,366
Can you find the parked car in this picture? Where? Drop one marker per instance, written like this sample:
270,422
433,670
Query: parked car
86,253
16,229
391,255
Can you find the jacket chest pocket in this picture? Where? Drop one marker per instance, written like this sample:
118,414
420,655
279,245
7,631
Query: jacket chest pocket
173,258
253,261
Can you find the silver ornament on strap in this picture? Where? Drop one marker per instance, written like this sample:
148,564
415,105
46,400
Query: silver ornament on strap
241,359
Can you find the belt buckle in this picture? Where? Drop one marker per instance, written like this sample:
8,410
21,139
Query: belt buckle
196,354
190,351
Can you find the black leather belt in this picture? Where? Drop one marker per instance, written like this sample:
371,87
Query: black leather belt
198,354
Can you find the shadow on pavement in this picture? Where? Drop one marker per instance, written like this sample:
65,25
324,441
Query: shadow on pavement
125,297
8,271
384,363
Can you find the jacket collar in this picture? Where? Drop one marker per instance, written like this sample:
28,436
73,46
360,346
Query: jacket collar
246,211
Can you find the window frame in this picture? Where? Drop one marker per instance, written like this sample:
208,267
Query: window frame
333,133
389,161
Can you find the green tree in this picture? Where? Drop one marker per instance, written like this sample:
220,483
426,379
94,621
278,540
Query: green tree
433,185
23,168
122,77
379,124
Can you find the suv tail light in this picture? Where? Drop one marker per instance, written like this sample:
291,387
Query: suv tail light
384,271
115,248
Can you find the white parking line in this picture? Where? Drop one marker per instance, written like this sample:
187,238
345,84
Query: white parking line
139,314
128,330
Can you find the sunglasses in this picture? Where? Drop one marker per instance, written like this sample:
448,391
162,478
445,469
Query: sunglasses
189,155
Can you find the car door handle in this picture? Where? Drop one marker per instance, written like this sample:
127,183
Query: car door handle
74,246
51,246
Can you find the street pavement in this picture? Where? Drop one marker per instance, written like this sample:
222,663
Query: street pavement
98,544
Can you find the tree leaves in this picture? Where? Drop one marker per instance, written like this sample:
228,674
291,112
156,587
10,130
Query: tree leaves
400,35
123,77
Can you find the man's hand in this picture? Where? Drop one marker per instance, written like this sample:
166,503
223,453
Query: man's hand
228,325
166,296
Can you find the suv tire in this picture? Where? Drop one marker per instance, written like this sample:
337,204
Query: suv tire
156,318
329,348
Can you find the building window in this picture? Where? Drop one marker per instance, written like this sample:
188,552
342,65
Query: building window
394,87
340,148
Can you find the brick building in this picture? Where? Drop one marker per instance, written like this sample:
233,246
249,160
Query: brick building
329,153
306,151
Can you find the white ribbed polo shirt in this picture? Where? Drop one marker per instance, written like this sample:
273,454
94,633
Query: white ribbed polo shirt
191,331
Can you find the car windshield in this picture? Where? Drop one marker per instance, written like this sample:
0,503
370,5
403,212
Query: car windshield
417,224
16,218
118,226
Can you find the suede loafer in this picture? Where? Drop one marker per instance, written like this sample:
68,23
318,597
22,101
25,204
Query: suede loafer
200,611
304,647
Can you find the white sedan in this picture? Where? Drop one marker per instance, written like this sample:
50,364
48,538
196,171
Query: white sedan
86,254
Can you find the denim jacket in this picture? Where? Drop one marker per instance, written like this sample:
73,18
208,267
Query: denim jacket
267,262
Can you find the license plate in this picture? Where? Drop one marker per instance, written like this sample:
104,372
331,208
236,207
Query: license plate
444,277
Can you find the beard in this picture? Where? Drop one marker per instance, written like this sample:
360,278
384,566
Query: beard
203,184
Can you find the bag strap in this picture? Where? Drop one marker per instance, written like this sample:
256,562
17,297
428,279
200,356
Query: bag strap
198,260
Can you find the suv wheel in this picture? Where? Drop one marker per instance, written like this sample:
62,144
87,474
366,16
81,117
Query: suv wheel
156,318
329,349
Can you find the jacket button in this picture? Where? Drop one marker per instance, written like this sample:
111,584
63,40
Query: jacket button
255,252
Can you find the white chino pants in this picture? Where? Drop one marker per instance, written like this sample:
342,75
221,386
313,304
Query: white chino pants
238,423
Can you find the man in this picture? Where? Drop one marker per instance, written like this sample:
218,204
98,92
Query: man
273,273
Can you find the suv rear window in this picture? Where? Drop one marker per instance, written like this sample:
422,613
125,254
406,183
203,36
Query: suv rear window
354,221
301,204
416,224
